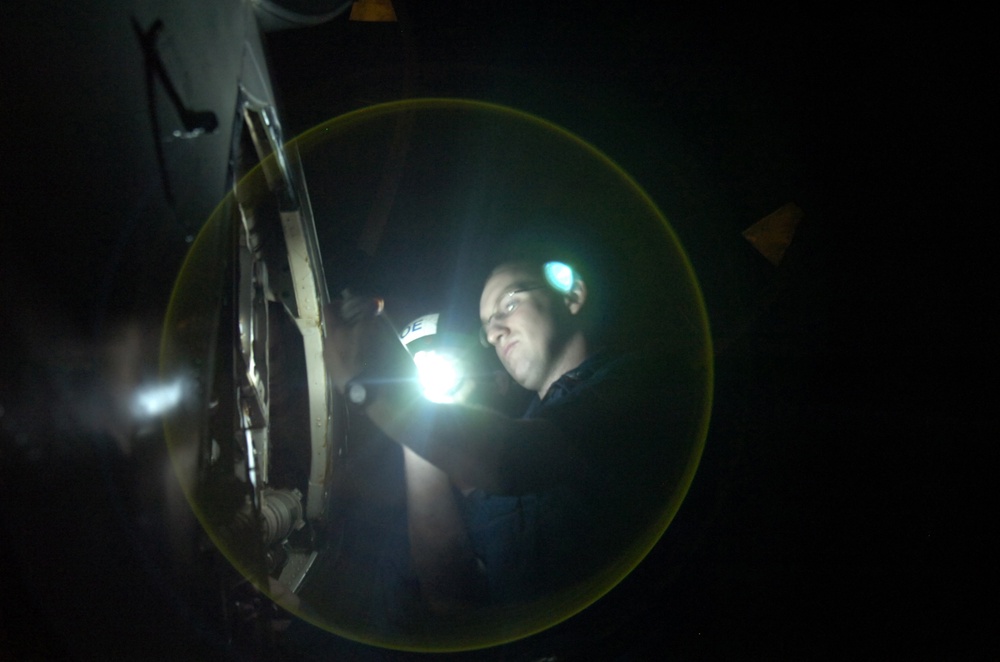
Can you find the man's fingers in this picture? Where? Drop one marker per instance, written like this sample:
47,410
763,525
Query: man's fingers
356,309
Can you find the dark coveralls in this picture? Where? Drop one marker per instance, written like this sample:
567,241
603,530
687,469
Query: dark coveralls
630,421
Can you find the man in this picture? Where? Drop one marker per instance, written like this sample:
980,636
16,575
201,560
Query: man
569,496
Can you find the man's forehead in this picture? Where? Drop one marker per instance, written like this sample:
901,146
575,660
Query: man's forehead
503,280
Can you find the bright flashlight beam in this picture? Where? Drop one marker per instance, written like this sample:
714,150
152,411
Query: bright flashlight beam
440,375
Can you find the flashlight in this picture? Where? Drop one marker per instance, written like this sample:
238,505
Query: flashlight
440,375
441,370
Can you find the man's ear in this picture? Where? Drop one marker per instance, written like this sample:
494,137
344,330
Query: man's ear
576,297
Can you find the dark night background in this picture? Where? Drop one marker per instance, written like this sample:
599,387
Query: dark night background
839,510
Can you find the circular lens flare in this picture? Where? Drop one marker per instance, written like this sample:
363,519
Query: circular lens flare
464,151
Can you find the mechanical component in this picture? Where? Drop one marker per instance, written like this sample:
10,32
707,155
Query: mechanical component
280,514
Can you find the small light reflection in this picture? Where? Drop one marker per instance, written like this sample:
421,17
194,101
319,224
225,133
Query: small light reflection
251,459
560,276
157,399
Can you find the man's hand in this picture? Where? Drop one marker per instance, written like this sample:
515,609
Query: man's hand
350,329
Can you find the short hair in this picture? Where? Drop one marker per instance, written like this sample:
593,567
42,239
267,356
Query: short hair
535,247
531,249
633,294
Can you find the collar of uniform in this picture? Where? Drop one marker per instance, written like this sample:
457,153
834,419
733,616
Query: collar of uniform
567,383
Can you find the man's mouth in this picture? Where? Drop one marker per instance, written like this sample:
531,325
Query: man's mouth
506,348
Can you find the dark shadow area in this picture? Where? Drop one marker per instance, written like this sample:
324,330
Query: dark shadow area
841,508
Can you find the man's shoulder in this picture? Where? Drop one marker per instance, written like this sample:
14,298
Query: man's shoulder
642,393
642,367
613,379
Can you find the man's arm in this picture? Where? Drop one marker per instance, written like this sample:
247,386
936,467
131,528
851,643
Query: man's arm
443,559
475,447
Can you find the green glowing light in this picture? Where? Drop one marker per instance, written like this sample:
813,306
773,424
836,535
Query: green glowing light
560,276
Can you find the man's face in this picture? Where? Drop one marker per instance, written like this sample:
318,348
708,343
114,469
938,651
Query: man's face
522,326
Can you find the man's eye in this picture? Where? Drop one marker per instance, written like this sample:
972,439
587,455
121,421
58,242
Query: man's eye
511,305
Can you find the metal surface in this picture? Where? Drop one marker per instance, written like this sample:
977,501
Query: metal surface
286,14
302,289
130,117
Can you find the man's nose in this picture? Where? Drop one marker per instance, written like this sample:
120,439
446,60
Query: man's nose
496,330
